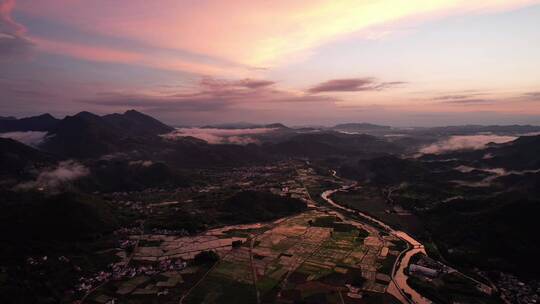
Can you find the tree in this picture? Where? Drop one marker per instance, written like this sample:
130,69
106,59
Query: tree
206,257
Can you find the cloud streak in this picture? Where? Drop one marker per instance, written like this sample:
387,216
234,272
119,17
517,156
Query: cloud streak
7,24
13,43
352,85
456,96
470,101
533,96
211,94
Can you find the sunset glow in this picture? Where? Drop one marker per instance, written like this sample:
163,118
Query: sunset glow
318,62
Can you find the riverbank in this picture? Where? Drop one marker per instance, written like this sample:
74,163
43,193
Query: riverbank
402,291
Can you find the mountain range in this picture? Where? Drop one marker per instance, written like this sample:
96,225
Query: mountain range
86,135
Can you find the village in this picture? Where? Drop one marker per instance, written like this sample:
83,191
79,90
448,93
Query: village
295,255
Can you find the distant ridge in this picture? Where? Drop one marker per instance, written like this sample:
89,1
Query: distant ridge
245,125
44,122
360,126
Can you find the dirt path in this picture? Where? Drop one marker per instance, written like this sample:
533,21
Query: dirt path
253,270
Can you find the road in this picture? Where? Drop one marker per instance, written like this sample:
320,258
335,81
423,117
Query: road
253,270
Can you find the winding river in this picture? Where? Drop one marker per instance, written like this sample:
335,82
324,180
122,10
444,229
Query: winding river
399,287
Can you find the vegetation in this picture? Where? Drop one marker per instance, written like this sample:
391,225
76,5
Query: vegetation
370,200
206,257
38,217
494,233
333,222
49,241
253,206
116,175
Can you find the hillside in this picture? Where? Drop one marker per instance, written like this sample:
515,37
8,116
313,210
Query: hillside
17,159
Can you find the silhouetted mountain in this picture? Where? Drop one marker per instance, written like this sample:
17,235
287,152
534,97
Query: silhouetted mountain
83,135
134,123
331,143
44,122
276,126
8,118
87,135
475,129
520,154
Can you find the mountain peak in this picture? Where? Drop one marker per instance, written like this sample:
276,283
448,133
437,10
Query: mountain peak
46,115
133,112
85,114
276,125
361,125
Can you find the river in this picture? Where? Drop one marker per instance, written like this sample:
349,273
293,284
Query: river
399,287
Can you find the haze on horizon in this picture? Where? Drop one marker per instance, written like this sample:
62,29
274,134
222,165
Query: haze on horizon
419,63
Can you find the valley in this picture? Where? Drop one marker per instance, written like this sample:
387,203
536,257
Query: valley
301,216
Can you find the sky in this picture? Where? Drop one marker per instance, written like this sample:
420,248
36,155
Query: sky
302,62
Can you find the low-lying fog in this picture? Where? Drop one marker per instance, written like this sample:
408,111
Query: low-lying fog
54,177
465,142
494,174
219,136
31,138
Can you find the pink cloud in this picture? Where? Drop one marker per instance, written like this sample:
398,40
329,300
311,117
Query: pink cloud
211,94
7,24
252,33
119,55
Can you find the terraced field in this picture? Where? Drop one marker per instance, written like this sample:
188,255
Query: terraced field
312,256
